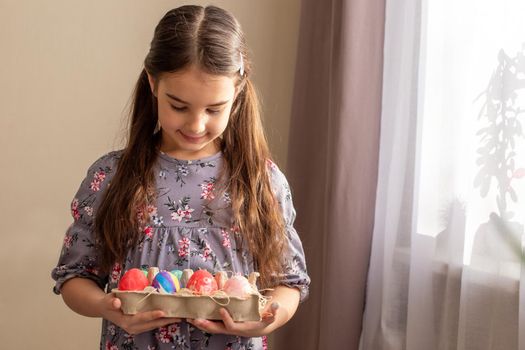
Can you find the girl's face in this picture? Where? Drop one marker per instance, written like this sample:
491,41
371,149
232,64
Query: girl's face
193,111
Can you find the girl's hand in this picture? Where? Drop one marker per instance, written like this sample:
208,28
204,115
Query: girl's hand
243,329
133,324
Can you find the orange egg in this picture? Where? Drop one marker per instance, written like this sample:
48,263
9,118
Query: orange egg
202,282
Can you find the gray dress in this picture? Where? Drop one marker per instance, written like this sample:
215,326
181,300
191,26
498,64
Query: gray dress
190,227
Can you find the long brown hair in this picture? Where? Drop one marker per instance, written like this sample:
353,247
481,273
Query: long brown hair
211,39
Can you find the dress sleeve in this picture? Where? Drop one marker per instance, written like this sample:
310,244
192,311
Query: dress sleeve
295,273
78,257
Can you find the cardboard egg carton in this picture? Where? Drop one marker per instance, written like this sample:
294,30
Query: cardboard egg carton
185,305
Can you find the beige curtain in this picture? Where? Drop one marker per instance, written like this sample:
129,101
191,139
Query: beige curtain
332,165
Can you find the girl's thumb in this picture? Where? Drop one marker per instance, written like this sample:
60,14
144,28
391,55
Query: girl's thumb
116,303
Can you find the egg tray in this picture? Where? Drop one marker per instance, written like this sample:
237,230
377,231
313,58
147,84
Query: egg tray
192,306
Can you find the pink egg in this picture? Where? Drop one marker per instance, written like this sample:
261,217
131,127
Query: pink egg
238,286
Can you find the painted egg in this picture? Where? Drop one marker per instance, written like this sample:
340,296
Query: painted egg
177,273
152,272
221,277
238,286
166,282
176,281
186,275
202,282
133,279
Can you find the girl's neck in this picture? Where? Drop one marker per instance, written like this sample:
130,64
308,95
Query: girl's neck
174,152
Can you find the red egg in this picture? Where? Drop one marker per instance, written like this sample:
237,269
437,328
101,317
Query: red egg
202,282
133,279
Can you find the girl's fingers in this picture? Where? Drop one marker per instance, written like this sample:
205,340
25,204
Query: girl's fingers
271,312
148,316
269,319
162,322
208,326
229,326
227,319
144,326
149,326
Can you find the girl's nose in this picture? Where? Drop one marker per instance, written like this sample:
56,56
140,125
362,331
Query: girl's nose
197,124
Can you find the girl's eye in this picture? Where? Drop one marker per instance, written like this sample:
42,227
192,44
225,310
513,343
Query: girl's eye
213,111
178,109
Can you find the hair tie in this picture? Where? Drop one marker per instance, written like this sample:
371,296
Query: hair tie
241,67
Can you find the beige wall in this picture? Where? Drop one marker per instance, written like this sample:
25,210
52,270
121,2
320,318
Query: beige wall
67,70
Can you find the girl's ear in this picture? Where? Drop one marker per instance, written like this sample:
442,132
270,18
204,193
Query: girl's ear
152,84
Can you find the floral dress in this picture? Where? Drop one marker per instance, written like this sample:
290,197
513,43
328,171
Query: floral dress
189,227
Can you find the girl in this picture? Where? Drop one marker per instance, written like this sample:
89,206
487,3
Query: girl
193,188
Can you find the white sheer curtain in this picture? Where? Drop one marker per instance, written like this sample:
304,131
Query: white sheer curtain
446,267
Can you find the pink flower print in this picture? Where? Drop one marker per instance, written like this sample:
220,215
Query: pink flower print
140,216
235,230
187,212
148,231
100,175
98,178
115,272
110,346
89,211
68,240
74,209
95,186
163,335
182,213
207,190
93,270
225,239
173,329
151,210
206,253
151,347
145,214
265,342
177,216
184,247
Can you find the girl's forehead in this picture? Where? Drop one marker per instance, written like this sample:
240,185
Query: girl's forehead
195,85
194,75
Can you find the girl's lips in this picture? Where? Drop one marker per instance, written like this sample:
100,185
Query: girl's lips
192,139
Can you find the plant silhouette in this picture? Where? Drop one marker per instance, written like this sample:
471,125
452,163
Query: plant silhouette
496,155
500,237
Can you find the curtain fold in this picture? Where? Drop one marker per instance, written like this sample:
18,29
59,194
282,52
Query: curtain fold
332,165
384,324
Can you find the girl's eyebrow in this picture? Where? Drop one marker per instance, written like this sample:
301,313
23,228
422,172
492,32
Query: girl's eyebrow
182,101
